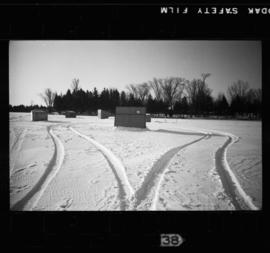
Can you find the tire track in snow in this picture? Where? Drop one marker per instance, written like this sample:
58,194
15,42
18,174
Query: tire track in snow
156,174
50,172
19,140
228,179
126,191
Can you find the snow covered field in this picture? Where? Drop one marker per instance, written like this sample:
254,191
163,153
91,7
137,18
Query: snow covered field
85,163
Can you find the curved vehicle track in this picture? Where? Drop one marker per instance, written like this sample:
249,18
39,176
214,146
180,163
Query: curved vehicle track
230,183
53,167
149,190
17,143
156,174
126,191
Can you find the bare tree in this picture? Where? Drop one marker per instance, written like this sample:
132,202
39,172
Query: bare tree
139,91
133,89
48,97
204,76
191,90
196,87
199,95
156,87
238,89
254,95
75,85
172,89
143,91
258,94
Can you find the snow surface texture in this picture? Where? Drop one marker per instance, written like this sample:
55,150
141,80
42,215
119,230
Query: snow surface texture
116,163
86,163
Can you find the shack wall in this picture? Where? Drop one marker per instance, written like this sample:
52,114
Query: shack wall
70,114
130,117
39,115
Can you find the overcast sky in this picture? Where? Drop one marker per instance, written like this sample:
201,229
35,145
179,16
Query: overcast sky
37,65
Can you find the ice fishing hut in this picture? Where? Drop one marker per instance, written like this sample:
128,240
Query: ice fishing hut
38,115
148,117
70,114
103,114
130,116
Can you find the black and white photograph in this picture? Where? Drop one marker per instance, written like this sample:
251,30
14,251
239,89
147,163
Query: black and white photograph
135,125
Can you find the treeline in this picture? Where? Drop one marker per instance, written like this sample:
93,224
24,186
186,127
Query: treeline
167,96
23,108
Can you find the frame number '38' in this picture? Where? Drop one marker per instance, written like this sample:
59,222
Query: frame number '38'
170,240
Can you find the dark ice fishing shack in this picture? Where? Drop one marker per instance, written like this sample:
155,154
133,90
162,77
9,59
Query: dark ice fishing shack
70,114
38,115
130,116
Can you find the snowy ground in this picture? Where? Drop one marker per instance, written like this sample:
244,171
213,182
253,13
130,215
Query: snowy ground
175,164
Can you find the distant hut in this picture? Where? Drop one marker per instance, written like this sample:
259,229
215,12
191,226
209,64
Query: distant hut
38,115
70,114
148,117
130,116
103,114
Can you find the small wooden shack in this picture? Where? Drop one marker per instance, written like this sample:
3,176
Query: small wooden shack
70,114
130,116
103,114
148,117
38,115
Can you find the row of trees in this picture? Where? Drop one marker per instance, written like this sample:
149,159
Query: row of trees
23,108
173,95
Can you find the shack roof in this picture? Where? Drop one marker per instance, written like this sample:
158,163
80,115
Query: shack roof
130,110
38,110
